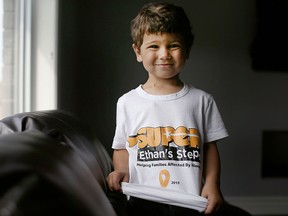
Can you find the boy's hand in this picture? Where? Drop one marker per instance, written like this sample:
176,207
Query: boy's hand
214,196
115,178
121,170
211,174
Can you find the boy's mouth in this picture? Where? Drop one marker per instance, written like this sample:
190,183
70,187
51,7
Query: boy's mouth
164,64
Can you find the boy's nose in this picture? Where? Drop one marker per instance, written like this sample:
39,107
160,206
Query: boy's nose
165,54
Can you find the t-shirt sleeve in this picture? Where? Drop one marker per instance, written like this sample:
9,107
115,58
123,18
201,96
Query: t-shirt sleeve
119,141
214,125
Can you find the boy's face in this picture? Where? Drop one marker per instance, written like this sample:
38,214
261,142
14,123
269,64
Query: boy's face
163,55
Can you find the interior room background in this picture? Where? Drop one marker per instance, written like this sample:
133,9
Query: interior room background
96,65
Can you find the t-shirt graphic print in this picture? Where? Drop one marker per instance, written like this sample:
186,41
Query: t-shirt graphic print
163,146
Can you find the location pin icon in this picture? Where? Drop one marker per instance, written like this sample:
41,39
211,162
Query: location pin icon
164,177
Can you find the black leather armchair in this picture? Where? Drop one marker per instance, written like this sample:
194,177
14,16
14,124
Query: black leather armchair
51,165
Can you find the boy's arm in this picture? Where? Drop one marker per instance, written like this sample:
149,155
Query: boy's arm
121,169
211,175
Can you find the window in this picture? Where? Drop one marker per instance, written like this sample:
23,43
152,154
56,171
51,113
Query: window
7,47
28,77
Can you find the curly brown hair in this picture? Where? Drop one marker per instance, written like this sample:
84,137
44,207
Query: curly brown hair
161,17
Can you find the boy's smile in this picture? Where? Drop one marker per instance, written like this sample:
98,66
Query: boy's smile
163,55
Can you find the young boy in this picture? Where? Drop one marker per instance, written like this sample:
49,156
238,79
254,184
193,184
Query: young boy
166,130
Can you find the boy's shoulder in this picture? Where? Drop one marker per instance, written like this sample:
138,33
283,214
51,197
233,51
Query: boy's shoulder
131,92
128,95
198,92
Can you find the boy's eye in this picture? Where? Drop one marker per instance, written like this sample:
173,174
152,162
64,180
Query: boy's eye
174,46
153,47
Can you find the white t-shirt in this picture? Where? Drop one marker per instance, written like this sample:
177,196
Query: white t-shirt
164,135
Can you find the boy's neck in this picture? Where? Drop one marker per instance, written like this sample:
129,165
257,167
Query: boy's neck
163,88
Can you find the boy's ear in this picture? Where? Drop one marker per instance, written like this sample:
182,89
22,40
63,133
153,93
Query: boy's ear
137,52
